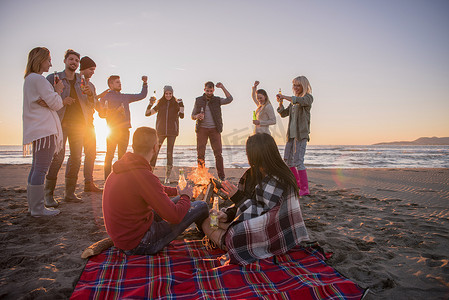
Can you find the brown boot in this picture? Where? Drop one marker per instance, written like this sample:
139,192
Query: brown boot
49,190
70,186
92,188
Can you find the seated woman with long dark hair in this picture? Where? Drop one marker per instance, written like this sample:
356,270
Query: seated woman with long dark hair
266,218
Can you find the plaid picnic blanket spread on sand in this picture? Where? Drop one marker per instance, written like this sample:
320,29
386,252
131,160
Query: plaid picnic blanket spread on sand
186,270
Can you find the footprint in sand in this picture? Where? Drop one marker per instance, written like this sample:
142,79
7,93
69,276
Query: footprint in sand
386,190
426,191
362,245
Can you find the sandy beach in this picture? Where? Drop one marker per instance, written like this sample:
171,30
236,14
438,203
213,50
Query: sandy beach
388,230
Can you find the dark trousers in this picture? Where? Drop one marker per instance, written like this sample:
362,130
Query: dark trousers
90,153
74,133
161,233
170,146
118,137
202,135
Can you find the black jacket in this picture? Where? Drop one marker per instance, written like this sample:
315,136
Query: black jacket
168,114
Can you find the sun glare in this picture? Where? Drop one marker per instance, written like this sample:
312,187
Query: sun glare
101,130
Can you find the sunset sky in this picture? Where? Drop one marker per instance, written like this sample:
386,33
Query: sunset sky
379,69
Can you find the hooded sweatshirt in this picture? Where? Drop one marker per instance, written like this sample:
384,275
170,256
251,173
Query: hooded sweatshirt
132,195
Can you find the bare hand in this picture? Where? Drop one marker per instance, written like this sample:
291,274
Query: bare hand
59,86
280,96
152,100
68,101
144,79
222,217
256,122
86,90
41,103
219,85
279,99
228,188
256,83
200,116
188,191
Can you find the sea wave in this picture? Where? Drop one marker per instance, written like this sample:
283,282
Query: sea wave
329,156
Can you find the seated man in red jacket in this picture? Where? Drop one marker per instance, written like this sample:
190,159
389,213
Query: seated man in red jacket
138,214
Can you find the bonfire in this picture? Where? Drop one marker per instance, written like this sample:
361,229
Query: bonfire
201,179
205,185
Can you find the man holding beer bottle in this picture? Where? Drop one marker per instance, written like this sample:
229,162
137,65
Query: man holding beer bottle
87,69
74,119
139,216
209,124
115,106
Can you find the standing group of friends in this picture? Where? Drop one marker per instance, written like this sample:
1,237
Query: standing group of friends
140,217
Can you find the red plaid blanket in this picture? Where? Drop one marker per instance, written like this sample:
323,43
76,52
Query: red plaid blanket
186,270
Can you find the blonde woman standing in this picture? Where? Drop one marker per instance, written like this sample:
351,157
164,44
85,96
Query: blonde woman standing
264,115
41,126
298,129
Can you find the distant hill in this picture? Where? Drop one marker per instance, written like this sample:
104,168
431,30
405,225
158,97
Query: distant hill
421,141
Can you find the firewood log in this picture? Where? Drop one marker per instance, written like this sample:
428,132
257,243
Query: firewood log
97,248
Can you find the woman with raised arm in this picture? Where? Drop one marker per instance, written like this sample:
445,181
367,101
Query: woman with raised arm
264,115
298,129
169,110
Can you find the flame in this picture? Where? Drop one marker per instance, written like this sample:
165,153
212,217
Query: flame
201,178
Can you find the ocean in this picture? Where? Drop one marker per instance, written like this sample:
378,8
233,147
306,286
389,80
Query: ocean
344,157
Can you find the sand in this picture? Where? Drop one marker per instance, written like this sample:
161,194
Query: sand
388,230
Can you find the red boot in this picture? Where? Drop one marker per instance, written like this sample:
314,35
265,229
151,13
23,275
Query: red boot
303,183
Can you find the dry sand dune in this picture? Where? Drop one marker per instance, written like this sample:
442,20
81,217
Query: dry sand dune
388,230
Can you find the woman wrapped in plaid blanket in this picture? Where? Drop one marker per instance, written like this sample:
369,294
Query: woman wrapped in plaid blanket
266,218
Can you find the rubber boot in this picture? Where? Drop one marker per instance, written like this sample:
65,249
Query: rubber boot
36,202
28,198
91,187
304,183
70,186
295,172
168,169
49,190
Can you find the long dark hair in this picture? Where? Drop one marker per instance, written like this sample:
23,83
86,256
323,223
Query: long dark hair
262,152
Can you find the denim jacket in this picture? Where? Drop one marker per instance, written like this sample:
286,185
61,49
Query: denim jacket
85,101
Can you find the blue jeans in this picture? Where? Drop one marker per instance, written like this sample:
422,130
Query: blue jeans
294,153
75,134
161,233
43,150
90,152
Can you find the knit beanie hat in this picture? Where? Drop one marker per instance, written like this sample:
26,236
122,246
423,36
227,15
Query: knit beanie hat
86,62
168,88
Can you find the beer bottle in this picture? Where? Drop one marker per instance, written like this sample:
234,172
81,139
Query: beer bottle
182,183
214,213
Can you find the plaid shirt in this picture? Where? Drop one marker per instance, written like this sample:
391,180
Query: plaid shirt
269,223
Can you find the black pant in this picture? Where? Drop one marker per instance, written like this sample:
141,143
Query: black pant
118,137
170,146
